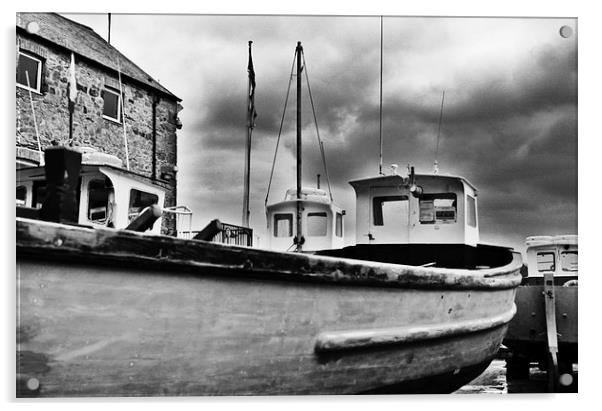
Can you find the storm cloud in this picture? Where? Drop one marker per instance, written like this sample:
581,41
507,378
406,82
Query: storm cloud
509,120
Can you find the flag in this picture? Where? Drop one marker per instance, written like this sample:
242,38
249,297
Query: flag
251,106
72,84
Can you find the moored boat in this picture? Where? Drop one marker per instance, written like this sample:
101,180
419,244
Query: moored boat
113,312
108,312
545,329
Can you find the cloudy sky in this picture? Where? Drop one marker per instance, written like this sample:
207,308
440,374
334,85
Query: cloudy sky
509,123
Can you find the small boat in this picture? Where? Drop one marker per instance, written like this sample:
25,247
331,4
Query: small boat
122,312
545,329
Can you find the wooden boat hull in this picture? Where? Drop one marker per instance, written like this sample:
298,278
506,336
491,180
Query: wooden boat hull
130,316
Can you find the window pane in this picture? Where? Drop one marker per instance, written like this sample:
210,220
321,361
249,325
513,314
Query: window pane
39,193
111,104
568,260
339,225
283,225
31,66
139,200
438,208
21,195
98,199
317,224
390,210
545,262
471,212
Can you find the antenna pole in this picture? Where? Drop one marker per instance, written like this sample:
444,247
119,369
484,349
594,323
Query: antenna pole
109,30
380,153
299,237
436,164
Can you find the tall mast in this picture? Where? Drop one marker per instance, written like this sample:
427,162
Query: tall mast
380,128
299,237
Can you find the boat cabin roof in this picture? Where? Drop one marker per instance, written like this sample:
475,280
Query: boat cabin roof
308,193
398,179
551,240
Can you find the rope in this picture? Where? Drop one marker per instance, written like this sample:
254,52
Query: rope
280,130
320,143
125,138
35,122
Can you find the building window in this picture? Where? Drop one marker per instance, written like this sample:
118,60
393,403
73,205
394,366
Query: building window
21,195
317,224
471,211
112,104
29,66
390,210
283,225
139,200
339,225
438,208
568,260
546,262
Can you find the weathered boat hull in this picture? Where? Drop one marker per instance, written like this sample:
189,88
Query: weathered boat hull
527,332
134,315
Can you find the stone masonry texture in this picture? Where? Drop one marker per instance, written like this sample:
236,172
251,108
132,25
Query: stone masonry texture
90,128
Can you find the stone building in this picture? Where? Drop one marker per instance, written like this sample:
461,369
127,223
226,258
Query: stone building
45,43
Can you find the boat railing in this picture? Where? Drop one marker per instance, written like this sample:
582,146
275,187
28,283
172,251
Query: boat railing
183,217
224,233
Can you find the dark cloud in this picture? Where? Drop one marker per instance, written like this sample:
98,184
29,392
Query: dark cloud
509,123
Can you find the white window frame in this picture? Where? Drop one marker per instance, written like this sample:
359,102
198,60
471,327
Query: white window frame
118,94
39,76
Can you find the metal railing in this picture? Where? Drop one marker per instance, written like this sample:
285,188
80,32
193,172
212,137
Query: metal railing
223,233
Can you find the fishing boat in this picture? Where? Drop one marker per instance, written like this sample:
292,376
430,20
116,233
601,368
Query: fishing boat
106,311
545,328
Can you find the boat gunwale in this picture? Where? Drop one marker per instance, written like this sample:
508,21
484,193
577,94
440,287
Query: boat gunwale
56,240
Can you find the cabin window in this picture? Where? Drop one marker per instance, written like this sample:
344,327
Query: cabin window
568,260
139,200
471,211
39,194
546,261
438,208
339,225
389,210
283,225
317,224
99,193
29,66
21,195
112,104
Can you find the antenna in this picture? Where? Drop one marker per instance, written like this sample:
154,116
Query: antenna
109,29
380,127
436,164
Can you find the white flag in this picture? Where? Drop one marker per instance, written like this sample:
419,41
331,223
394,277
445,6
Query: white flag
72,83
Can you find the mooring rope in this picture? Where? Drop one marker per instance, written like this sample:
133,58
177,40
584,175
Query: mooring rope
280,130
316,124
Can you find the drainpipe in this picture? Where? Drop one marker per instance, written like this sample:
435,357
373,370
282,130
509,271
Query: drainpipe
154,107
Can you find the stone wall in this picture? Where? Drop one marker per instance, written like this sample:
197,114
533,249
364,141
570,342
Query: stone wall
90,128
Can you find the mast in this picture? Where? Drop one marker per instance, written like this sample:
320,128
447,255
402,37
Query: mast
250,124
380,128
299,237
436,164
